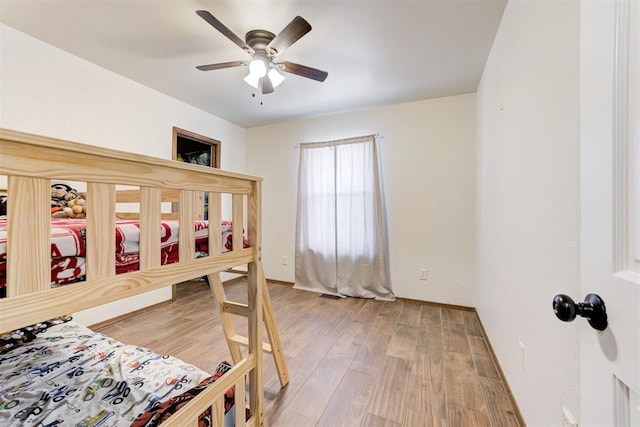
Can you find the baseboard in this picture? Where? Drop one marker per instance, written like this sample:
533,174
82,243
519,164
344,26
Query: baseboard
280,282
234,280
518,414
436,304
150,307
416,301
243,276
128,315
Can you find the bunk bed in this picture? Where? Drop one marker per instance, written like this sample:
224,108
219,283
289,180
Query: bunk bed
36,316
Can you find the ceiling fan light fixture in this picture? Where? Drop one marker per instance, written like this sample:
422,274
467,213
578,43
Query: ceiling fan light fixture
276,77
258,68
252,80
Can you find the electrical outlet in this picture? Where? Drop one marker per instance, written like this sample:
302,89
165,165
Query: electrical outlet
568,420
285,260
424,274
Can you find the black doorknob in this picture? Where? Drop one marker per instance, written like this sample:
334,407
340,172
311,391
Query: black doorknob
592,308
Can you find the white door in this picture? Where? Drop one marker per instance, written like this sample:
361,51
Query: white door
610,229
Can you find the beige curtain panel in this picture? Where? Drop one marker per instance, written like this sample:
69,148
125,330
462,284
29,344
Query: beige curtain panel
341,237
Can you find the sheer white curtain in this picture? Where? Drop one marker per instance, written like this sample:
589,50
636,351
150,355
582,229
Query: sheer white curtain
340,225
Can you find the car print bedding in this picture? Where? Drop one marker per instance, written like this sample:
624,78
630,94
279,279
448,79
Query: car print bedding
61,373
68,249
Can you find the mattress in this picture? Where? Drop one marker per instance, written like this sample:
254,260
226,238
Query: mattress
61,373
68,247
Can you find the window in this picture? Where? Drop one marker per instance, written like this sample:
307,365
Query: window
340,231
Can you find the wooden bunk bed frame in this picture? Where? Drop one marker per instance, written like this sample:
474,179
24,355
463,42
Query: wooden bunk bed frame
30,162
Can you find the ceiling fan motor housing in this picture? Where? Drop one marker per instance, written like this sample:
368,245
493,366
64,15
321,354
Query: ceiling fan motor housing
259,39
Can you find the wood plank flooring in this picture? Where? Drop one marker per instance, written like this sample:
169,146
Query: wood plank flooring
352,362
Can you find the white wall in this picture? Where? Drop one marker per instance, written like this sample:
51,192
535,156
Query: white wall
529,205
47,91
428,166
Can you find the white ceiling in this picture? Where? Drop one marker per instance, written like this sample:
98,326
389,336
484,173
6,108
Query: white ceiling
376,52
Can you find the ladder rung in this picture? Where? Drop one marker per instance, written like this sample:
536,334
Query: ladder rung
244,341
235,308
234,341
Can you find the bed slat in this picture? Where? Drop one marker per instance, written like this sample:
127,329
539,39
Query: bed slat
28,218
239,402
149,227
101,221
187,217
215,220
218,412
238,214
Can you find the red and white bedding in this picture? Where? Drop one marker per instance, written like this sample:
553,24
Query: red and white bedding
68,247
65,374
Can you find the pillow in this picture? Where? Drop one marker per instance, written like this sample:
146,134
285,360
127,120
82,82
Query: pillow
161,411
19,337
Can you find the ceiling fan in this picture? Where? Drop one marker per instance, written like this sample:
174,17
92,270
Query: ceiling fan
264,47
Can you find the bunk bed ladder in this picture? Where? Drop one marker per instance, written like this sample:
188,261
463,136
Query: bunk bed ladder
235,341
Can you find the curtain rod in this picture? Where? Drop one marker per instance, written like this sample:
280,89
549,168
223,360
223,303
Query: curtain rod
375,135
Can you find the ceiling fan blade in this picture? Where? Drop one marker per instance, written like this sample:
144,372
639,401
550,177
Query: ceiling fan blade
215,23
267,86
294,30
303,70
221,65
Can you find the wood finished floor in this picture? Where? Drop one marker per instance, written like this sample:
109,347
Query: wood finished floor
352,362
